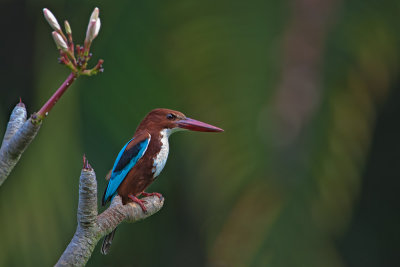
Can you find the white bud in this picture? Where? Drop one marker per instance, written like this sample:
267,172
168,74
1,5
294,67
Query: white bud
51,19
98,25
61,44
95,14
92,30
94,26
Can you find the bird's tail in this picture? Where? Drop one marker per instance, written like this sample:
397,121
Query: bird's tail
105,247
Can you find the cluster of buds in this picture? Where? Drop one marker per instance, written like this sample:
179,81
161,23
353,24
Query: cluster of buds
75,57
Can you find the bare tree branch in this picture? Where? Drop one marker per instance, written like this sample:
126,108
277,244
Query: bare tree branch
19,134
92,227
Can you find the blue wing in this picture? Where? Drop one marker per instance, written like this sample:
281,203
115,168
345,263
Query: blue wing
126,160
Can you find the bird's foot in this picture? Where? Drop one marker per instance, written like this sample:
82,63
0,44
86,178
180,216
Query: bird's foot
138,201
145,194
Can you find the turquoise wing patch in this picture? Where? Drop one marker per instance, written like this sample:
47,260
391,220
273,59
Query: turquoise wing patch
125,161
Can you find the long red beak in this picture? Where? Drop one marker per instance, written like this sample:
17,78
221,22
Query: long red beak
194,125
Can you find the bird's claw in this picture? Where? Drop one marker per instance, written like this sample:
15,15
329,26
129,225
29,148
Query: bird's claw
139,202
145,194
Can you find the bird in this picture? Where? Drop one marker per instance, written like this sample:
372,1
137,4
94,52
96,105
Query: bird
143,157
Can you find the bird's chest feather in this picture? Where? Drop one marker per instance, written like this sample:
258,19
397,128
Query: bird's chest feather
161,158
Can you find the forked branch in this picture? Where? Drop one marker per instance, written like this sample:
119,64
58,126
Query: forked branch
91,226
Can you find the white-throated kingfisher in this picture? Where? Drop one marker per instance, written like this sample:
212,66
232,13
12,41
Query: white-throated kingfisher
142,158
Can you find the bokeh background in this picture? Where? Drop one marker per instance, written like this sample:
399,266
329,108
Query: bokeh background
305,174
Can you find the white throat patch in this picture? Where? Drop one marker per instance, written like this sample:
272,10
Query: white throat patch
161,158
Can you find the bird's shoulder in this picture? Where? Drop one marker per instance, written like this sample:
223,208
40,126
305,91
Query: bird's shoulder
138,138
134,149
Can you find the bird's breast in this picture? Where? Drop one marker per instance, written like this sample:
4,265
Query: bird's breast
161,158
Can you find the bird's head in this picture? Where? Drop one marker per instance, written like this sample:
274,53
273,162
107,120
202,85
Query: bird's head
159,119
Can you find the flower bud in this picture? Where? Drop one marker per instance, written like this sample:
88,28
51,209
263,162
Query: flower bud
98,25
51,19
67,27
61,44
95,14
92,30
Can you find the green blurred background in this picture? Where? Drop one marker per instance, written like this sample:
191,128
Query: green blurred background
305,174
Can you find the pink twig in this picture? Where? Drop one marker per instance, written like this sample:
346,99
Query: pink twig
42,113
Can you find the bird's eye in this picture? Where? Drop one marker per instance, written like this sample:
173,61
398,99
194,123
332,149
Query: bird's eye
171,116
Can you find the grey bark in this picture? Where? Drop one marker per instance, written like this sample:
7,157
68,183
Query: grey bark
92,227
19,134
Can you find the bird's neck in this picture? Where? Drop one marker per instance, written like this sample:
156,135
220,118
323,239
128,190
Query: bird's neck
161,157
164,135
166,132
